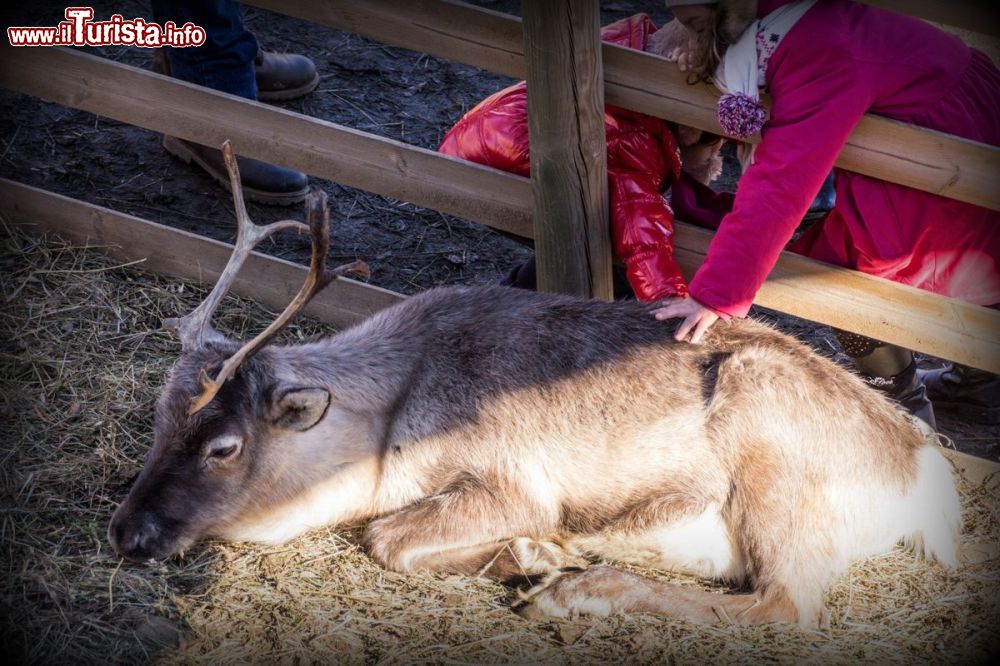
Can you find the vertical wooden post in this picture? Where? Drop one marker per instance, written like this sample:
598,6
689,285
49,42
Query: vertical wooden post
562,50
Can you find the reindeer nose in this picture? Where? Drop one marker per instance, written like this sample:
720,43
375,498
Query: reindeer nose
135,536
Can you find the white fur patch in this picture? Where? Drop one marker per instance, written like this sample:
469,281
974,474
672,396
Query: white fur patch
539,485
347,495
926,516
935,509
700,545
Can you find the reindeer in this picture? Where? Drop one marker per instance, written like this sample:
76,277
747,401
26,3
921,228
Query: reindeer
498,432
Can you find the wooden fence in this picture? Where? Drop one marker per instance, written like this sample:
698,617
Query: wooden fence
912,156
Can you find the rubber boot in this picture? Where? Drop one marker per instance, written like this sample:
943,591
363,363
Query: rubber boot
890,370
967,393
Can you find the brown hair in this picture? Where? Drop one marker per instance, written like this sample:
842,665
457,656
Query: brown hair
726,23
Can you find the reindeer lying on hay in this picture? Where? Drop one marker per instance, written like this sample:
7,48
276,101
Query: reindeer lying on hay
512,434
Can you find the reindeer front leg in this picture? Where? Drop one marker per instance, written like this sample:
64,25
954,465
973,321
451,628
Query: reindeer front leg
603,590
468,529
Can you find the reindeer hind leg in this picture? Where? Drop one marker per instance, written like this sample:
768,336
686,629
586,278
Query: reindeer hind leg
693,539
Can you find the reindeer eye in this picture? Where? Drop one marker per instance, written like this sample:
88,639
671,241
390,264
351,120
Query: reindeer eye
224,452
224,447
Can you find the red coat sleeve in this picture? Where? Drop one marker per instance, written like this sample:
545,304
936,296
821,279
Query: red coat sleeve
642,159
818,97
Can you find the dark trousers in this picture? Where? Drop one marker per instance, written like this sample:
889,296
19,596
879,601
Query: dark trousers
525,276
226,61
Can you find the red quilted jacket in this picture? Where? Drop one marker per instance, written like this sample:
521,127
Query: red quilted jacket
642,161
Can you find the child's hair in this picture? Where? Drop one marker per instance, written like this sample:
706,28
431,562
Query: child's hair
726,23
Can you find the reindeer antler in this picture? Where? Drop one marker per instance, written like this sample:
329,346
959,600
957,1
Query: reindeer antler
194,327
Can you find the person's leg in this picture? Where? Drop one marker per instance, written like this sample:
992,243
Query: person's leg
967,393
522,276
226,62
891,370
826,198
525,276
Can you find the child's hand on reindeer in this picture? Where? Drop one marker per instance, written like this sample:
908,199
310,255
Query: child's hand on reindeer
697,317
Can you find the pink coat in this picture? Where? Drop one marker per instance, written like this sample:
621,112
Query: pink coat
840,61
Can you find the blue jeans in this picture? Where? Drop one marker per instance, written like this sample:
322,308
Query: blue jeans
827,197
225,61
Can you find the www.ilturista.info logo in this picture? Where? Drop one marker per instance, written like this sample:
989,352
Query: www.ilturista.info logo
80,30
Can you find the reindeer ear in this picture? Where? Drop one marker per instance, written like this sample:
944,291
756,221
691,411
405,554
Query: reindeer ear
298,408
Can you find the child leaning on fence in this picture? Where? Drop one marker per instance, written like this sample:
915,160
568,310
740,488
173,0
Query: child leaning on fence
643,160
826,63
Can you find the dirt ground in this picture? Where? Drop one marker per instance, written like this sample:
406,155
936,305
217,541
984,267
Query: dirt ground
365,85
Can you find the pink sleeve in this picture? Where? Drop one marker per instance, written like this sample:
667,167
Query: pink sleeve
816,104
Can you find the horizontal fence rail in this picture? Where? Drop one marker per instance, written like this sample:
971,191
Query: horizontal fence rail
879,147
867,305
981,16
347,156
180,254
850,300
274,283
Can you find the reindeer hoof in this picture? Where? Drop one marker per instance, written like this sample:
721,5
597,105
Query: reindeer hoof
543,557
568,594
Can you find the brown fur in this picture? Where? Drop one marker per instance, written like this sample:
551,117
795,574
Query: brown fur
511,434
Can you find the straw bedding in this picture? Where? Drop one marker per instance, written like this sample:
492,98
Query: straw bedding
82,360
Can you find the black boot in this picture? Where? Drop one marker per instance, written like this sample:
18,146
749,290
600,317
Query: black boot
264,183
525,276
967,393
890,370
908,390
284,76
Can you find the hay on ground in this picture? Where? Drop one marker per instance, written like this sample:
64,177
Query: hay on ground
82,360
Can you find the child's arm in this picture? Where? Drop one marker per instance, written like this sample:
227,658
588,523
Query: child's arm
642,227
814,110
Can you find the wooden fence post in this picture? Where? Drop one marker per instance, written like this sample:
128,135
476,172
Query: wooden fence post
568,152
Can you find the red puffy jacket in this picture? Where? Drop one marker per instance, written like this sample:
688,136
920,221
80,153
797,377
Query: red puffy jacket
642,161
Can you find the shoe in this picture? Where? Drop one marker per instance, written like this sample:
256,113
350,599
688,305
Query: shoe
967,393
279,75
906,388
262,182
284,76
